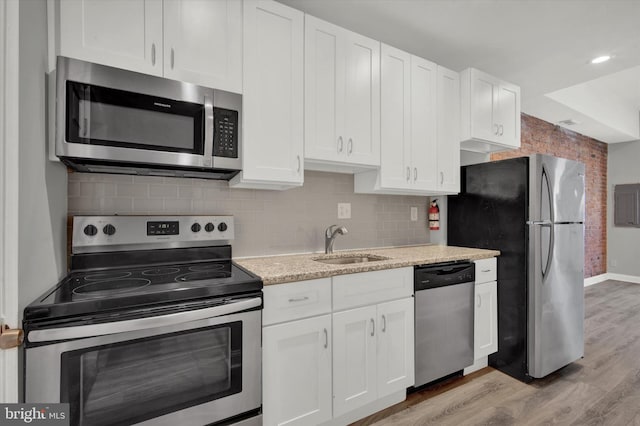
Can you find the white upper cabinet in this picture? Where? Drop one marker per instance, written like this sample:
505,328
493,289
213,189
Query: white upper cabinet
203,42
448,131
490,112
197,41
396,137
120,33
272,97
420,152
342,98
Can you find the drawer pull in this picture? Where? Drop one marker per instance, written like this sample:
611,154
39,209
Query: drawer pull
486,270
298,299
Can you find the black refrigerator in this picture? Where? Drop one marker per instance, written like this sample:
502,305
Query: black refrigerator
532,210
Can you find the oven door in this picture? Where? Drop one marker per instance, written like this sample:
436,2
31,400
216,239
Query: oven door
190,373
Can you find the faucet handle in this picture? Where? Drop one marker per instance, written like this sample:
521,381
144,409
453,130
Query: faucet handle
329,231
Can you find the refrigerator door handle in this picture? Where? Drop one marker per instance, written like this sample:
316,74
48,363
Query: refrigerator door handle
547,223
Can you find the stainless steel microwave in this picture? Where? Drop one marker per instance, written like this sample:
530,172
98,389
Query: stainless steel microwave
110,120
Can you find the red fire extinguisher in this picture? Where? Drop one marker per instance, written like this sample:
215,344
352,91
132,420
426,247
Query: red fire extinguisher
434,215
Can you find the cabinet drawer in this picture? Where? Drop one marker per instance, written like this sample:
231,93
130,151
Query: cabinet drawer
290,301
367,288
486,270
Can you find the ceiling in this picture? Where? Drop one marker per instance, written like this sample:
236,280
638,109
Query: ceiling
544,46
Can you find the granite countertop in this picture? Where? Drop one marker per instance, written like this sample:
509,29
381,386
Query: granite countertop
300,267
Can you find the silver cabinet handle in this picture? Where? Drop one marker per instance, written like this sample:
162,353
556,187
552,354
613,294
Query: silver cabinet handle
298,299
350,146
153,54
415,173
172,57
103,329
326,338
340,144
408,173
373,327
501,130
441,178
497,129
486,270
299,163
384,324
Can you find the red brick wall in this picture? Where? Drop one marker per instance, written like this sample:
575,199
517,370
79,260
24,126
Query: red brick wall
541,137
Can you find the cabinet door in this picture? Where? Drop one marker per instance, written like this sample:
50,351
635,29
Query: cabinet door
362,100
119,33
486,319
273,94
354,359
395,346
448,146
508,116
484,99
324,91
203,42
424,153
296,365
395,119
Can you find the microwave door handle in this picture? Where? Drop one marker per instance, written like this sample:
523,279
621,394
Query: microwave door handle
94,330
208,131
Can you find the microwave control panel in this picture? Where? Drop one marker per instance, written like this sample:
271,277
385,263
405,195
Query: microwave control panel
225,133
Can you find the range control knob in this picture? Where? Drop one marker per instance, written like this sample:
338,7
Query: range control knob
196,227
222,227
209,227
109,229
90,230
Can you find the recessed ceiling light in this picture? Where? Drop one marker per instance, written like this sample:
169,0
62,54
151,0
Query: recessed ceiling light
600,59
569,122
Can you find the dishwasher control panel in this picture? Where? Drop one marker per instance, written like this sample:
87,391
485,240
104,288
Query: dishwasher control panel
443,274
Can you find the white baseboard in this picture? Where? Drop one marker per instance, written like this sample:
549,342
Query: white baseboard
622,277
611,276
595,279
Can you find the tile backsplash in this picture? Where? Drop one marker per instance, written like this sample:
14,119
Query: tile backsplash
267,222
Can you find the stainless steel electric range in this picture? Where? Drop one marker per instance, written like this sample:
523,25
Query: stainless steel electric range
154,324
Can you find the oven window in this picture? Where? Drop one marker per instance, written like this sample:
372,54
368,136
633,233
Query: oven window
137,380
101,116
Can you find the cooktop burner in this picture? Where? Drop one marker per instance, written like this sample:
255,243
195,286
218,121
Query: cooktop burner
108,287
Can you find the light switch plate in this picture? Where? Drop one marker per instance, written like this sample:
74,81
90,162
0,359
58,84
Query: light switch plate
344,210
414,214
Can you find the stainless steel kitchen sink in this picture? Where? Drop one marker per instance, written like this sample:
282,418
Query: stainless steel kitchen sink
349,259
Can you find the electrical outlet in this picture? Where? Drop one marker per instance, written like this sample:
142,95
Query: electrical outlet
414,214
344,210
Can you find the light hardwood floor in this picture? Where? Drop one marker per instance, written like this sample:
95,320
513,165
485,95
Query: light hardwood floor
603,388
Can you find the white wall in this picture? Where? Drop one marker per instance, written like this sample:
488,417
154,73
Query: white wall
623,244
43,184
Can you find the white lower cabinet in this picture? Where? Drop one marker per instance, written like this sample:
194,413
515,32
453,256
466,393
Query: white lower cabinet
486,319
296,369
352,358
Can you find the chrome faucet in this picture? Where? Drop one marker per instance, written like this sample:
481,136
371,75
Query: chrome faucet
330,236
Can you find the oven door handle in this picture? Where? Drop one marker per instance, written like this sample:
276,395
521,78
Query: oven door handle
94,330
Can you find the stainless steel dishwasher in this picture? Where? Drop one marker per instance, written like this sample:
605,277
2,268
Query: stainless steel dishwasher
444,319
